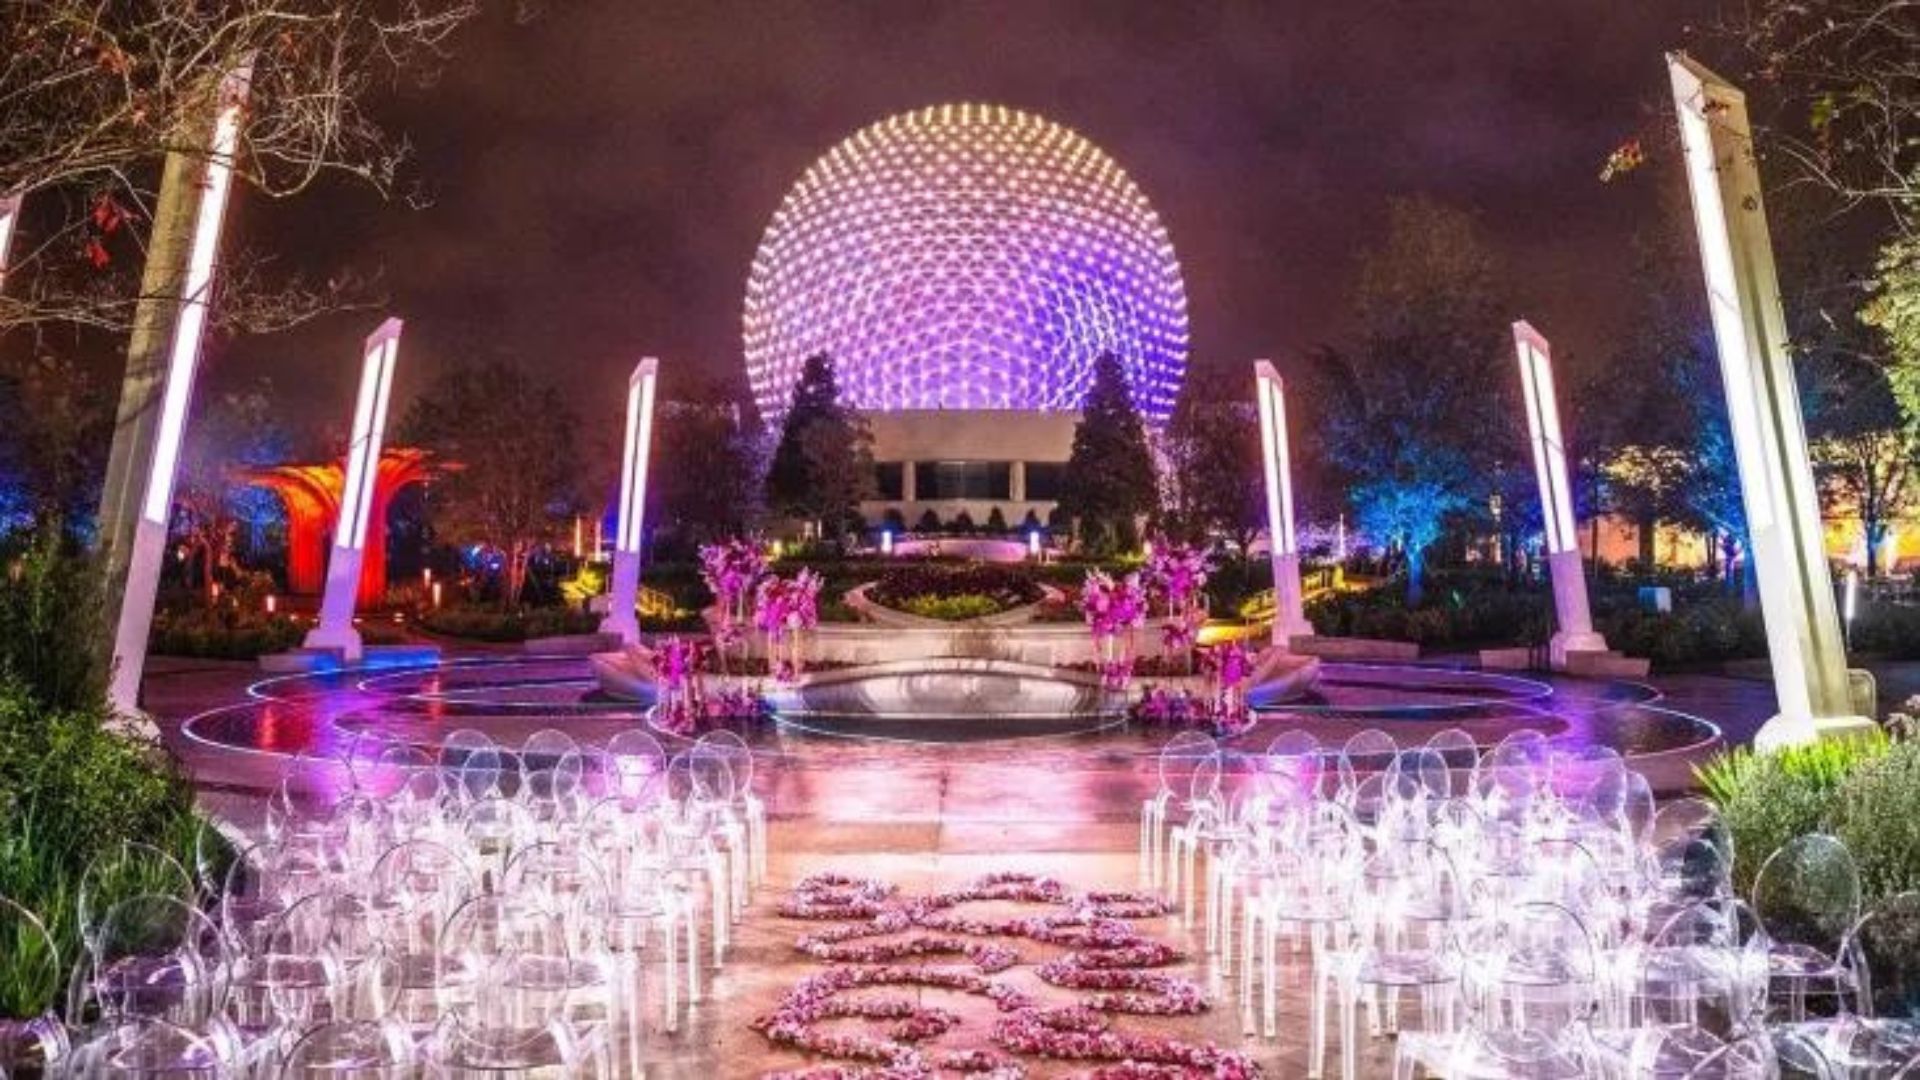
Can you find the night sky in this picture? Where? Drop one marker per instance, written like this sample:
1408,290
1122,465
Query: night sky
600,177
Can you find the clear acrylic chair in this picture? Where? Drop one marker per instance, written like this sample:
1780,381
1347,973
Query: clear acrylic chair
1807,896
32,1035
1384,953
517,1020
145,1048
629,842
739,758
1185,759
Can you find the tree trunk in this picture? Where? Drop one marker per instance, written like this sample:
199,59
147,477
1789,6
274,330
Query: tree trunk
1645,535
1876,535
1416,576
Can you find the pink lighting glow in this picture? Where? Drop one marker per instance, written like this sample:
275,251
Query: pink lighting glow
966,257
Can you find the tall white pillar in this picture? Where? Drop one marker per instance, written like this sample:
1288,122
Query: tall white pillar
153,438
625,588
1289,612
335,630
1804,639
1564,568
9,215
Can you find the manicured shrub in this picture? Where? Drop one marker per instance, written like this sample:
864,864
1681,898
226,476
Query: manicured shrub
494,624
996,521
222,633
929,522
962,523
1876,812
952,608
1006,586
1769,799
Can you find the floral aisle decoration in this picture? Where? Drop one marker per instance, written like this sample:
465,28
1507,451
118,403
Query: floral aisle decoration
1221,708
1115,608
731,570
687,700
1178,574
785,608
1108,960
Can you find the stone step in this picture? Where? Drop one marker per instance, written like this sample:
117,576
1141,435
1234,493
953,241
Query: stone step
1610,664
571,644
1349,648
1518,658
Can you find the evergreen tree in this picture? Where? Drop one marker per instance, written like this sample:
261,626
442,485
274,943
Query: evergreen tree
1109,477
823,464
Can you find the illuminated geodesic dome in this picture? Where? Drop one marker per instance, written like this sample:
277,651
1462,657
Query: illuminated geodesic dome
966,257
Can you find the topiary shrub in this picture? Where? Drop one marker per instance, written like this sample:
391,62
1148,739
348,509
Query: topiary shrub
893,520
996,521
929,522
962,523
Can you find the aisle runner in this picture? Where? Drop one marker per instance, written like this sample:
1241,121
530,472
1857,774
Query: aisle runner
1109,962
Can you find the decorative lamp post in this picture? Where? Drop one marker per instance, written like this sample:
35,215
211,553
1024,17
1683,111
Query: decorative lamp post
1805,639
177,290
1568,574
625,579
335,629
1289,614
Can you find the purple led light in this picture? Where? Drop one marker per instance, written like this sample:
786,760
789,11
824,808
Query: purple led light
966,257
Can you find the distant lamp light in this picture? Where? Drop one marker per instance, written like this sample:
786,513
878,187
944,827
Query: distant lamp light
886,541
1033,542
775,548
1146,549
273,603
215,591
579,537
426,576
436,594
9,211
623,581
1851,604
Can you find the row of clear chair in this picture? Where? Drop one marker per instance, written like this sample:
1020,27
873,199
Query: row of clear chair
481,911
1545,919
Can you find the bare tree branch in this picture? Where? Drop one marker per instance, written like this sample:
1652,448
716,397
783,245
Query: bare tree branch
95,93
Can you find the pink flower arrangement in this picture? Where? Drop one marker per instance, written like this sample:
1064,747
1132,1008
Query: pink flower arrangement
1178,573
782,608
730,571
1114,609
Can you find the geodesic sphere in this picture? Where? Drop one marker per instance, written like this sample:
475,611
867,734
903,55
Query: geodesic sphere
966,257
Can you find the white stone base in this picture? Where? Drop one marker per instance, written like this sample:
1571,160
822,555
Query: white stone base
344,640
1784,731
1562,643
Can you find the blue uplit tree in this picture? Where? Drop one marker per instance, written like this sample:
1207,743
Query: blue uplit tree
1419,417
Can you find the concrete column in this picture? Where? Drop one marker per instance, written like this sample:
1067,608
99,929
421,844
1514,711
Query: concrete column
163,353
624,590
1804,638
1564,568
909,490
357,502
1017,482
1289,614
